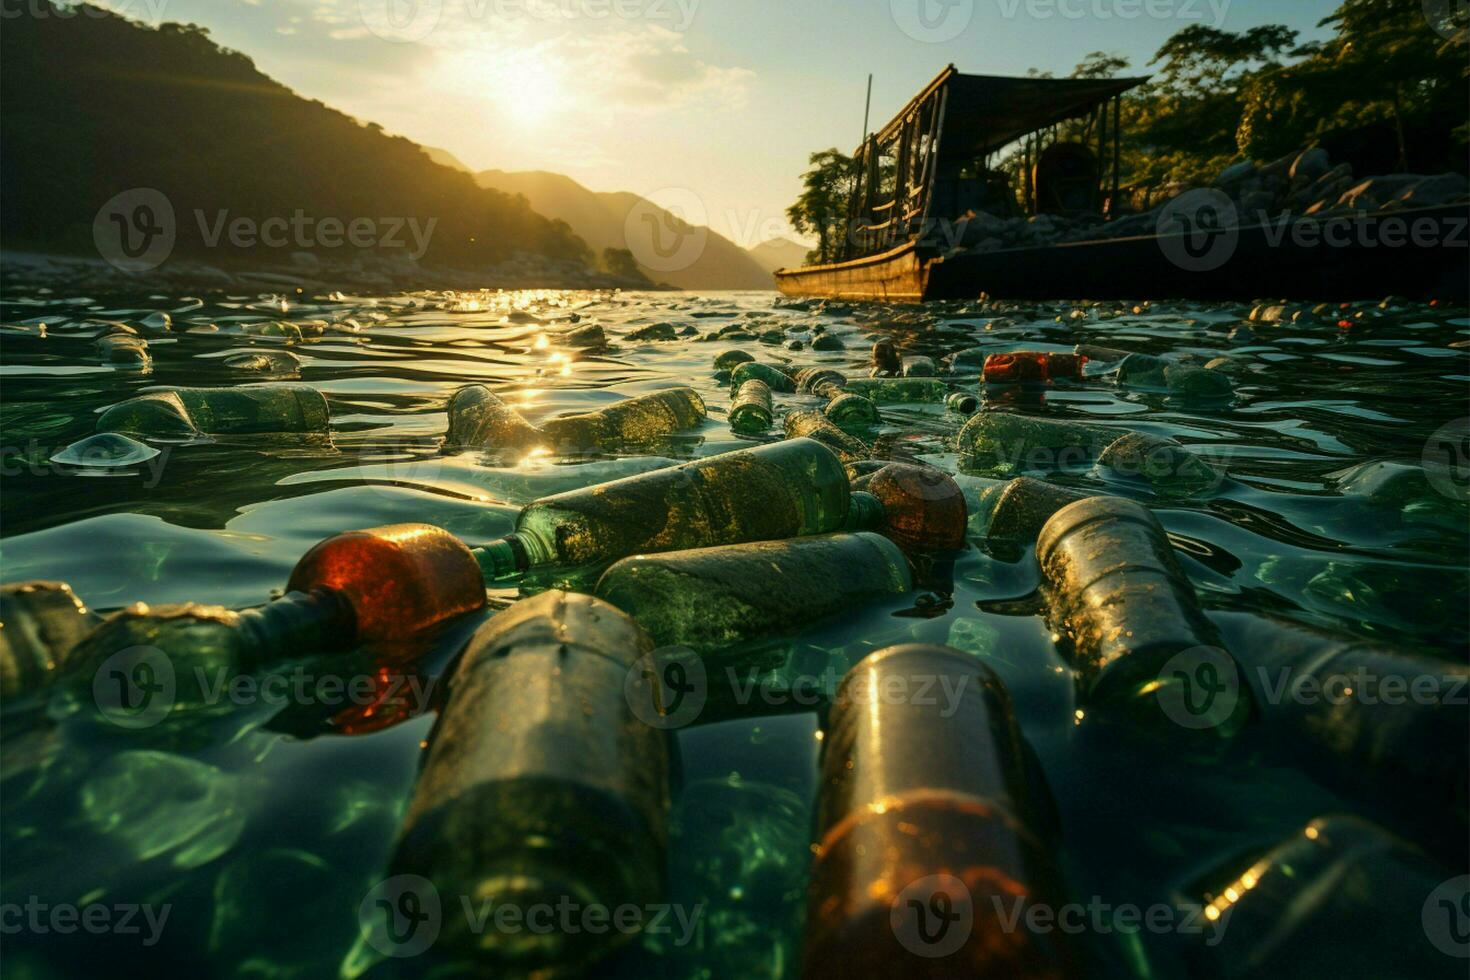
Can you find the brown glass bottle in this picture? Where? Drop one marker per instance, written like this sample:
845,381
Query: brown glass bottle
927,833
925,511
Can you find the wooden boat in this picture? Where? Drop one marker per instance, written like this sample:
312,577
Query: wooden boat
930,165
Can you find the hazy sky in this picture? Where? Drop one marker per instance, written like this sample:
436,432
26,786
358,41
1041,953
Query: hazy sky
712,105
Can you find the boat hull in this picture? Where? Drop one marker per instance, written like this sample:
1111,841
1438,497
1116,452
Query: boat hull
1418,254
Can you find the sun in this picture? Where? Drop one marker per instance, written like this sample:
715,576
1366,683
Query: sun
531,90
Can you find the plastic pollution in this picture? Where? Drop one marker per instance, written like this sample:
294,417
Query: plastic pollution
105,452
963,403
851,412
1157,374
635,420
1162,463
186,413
1383,726
40,623
928,832
899,391
1014,443
715,597
775,378
924,509
768,492
1303,908
1017,510
816,426
1125,611
916,366
540,786
751,410
1092,352
480,419
885,358
1033,367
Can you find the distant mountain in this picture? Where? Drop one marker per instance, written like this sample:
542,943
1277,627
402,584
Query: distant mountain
446,159
779,253
665,248
97,106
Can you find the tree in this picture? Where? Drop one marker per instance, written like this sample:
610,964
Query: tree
620,262
821,211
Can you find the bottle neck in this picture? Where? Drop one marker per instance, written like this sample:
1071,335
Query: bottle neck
509,558
299,622
865,512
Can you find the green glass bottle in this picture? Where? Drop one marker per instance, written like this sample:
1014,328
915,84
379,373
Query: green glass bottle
1018,509
899,391
931,830
775,378
852,413
812,381
541,787
1130,623
637,420
1163,464
40,623
124,350
751,411
186,413
815,425
1379,725
918,366
1340,898
963,403
1004,442
1157,374
769,492
731,359
480,419
712,598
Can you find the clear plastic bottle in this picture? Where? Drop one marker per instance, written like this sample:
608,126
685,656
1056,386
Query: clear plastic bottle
541,788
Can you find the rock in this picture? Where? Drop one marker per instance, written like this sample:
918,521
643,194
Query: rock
655,331
1442,189
1256,206
588,336
1372,193
1236,173
828,341
1311,164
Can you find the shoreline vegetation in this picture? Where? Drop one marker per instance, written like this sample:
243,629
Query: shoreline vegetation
1279,126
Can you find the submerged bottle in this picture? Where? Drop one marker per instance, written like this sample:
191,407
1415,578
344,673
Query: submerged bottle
816,426
820,381
769,492
480,419
850,412
1162,463
731,359
1305,908
186,413
775,378
1033,367
963,403
710,598
124,350
540,787
635,420
751,410
1017,510
918,366
1157,374
1007,442
929,834
276,362
383,584
40,623
1379,725
1131,623
899,391
924,510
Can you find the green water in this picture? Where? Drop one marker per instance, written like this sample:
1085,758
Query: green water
264,823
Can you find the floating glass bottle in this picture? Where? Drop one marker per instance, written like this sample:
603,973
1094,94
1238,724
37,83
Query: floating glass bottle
636,420
1032,367
541,787
715,597
1158,374
186,413
924,510
899,391
852,413
816,426
1018,509
480,419
775,378
1163,464
769,492
1010,443
751,411
40,623
928,833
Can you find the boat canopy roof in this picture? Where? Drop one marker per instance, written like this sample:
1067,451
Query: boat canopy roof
985,112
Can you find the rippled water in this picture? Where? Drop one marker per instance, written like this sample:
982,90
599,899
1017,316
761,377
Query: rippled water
263,826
